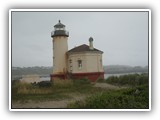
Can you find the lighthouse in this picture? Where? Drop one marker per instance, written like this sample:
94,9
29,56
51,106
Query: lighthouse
60,47
84,61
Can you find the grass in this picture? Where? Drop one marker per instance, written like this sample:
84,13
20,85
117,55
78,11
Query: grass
136,96
116,99
59,90
39,97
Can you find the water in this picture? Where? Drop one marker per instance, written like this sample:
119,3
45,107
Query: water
119,74
105,75
45,78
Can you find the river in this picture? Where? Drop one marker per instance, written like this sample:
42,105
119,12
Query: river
105,75
119,74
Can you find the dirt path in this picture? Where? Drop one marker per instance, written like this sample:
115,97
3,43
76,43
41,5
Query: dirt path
107,86
61,103
47,104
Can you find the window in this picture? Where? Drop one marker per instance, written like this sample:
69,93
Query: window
59,28
70,68
70,61
101,62
79,64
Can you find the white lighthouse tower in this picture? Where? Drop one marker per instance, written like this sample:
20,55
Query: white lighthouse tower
60,48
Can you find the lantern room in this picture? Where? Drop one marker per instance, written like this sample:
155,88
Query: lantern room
59,30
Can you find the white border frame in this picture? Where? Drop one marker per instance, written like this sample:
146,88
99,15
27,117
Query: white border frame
80,10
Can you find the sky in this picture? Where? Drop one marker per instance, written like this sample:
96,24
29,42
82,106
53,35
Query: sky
122,36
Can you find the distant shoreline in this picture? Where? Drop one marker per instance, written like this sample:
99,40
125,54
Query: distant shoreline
17,72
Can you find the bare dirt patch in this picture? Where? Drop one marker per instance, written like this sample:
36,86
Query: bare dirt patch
47,104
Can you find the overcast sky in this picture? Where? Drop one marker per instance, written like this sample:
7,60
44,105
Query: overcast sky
122,36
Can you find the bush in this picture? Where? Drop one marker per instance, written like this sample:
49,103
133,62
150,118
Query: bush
121,99
44,84
131,80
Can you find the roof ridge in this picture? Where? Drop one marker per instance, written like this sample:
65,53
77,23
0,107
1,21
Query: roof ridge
83,48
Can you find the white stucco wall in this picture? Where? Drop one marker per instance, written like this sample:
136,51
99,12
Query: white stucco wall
91,62
60,47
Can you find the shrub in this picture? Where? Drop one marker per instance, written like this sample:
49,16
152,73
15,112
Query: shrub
44,84
131,80
121,99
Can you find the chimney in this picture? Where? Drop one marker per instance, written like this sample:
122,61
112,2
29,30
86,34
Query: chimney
91,43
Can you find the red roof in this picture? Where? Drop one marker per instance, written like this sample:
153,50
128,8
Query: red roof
84,48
